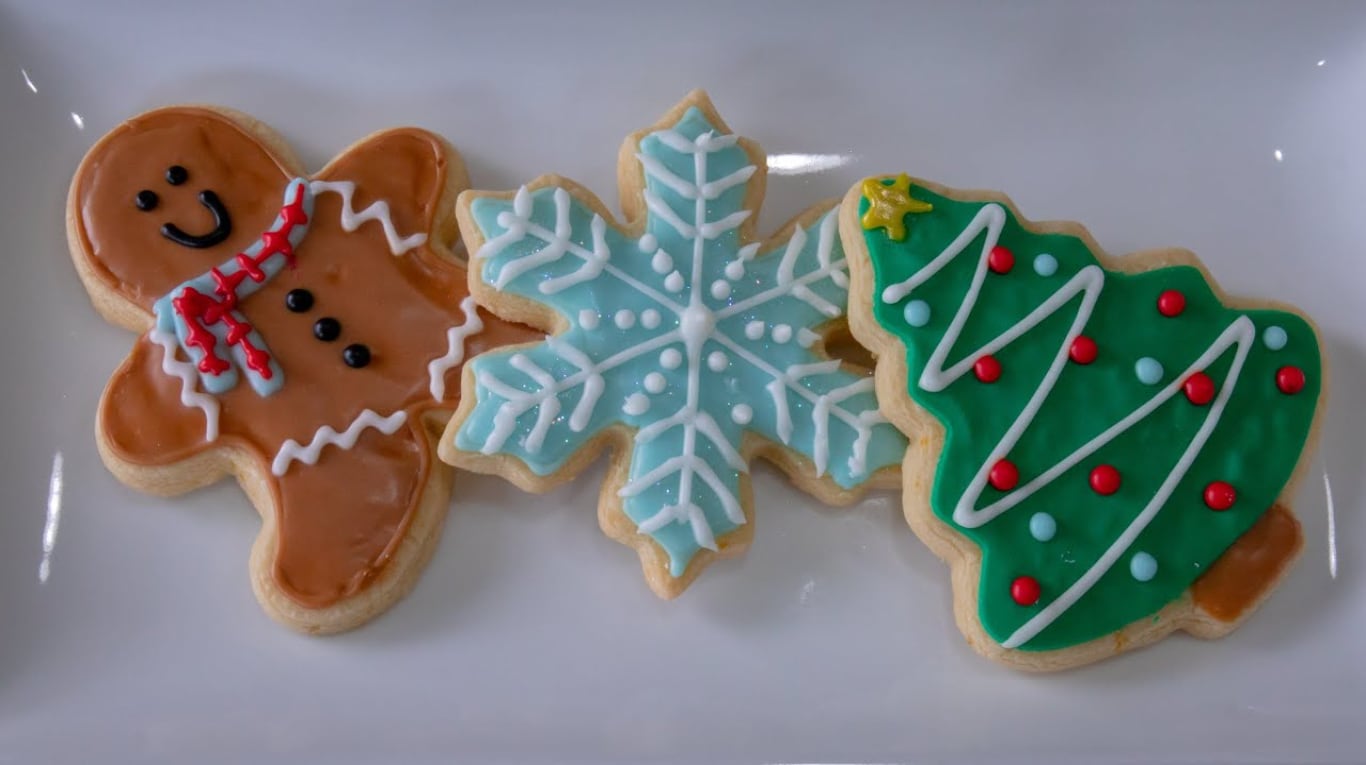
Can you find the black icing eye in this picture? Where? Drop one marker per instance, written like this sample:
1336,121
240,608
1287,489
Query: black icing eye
146,200
299,300
356,355
176,175
327,329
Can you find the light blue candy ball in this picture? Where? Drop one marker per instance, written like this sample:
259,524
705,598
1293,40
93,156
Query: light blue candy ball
1045,265
1042,526
917,313
1149,370
1143,566
1275,338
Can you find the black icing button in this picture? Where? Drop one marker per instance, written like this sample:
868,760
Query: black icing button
299,300
146,200
327,329
176,175
356,355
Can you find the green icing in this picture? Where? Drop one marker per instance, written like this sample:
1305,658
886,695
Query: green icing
1255,445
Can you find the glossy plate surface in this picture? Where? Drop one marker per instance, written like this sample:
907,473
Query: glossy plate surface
129,632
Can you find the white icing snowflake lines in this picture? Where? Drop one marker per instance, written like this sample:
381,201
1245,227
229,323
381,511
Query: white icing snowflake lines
682,333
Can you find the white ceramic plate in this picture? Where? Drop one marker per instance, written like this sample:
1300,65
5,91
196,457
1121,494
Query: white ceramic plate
130,633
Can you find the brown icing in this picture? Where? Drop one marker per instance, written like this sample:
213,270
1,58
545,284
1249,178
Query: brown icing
340,520
1240,576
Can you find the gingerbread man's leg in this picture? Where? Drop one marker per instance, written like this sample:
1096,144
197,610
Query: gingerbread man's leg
349,534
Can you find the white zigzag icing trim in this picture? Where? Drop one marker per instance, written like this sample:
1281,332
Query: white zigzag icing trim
455,353
352,220
189,381
326,436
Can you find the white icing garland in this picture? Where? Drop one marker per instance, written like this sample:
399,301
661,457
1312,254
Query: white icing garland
455,353
1088,282
377,211
291,451
189,381
697,324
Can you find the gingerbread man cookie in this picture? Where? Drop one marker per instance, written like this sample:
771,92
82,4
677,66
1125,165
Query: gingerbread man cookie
305,335
1112,442
679,339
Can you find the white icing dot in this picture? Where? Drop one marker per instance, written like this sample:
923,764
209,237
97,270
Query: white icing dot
588,319
735,269
670,358
636,403
661,262
720,289
717,361
674,282
649,318
655,382
1275,338
625,319
754,330
806,337
741,414
782,333
649,243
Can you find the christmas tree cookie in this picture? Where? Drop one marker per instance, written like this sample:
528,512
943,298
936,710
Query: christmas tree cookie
677,339
1102,448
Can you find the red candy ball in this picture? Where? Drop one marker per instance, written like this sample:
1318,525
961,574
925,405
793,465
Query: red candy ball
1083,350
1290,380
1025,590
1001,260
1004,475
1105,479
987,369
1199,388
1220,495
1171,303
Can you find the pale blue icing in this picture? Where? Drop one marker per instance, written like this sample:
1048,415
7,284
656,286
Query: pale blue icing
1274,337
1042,526
1148,370
917,313
168,321
1143,567
658,378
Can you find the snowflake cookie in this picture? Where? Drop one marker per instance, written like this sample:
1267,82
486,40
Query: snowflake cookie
676,339
1113,441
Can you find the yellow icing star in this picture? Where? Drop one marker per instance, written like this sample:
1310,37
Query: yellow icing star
888,206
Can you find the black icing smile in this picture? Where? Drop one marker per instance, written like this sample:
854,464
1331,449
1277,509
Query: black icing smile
222,225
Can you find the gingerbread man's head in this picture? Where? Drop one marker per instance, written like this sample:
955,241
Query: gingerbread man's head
300,332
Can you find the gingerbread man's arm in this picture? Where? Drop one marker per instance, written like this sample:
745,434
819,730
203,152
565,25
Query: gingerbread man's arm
401,182
353,528
153,419
399,187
